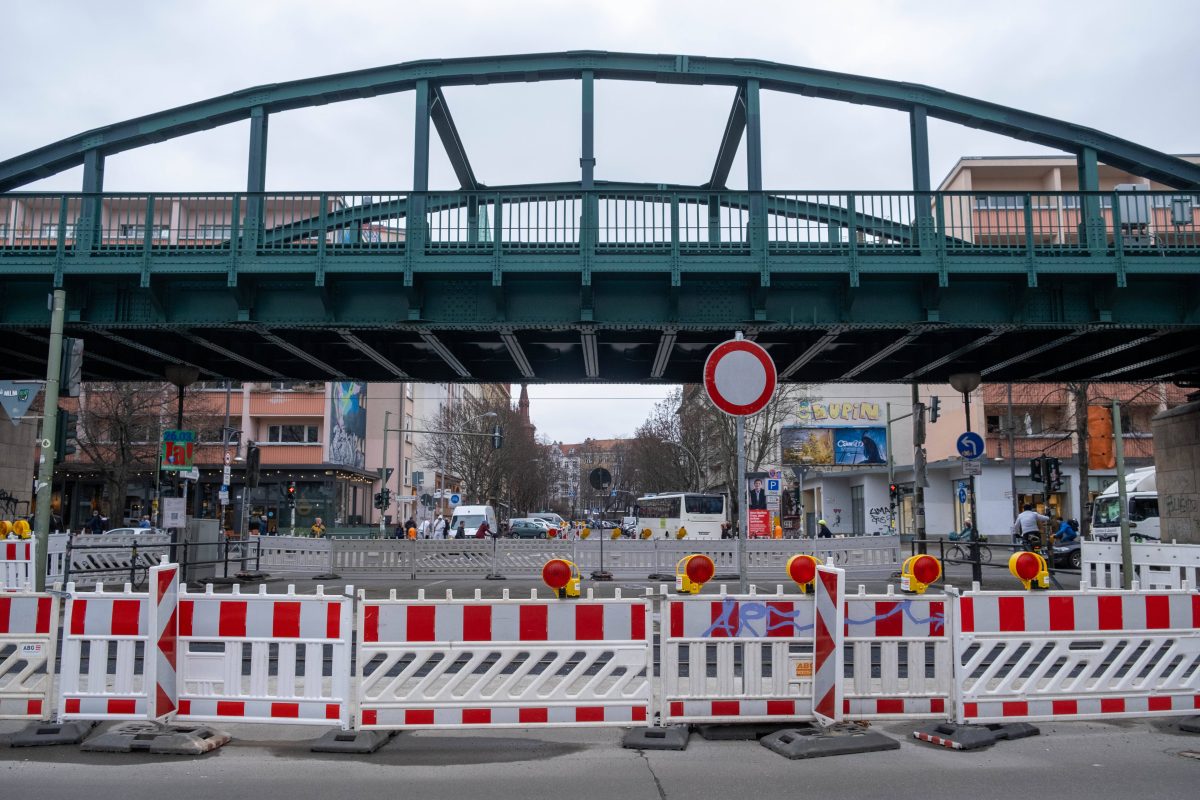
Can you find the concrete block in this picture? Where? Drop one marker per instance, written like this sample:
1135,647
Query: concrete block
670,737
957,737
156,738
743,733
42,734
1187,725
1011,731
352,742
836,740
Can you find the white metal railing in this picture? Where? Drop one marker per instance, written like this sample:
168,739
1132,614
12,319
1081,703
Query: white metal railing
1155,566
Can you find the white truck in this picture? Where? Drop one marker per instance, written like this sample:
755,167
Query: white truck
1141,494
471,517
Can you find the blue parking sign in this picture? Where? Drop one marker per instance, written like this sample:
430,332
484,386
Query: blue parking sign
773,485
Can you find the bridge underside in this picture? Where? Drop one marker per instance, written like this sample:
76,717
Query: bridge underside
541,325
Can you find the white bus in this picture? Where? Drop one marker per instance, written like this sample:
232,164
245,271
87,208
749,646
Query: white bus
664,514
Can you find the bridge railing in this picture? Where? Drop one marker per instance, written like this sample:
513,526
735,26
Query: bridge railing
616,222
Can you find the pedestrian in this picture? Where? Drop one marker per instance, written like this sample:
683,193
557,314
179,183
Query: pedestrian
1027,527
426,527
461,531
441,527
1066,532
483,530
412,532
823,531
318,528
145,523
96,523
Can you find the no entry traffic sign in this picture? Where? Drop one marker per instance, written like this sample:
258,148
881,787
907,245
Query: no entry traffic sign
739,377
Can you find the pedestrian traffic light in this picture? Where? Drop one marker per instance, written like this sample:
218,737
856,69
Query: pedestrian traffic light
385,499
935,408
497,437
291,494
1035,469
379,500
894,492
65,434
253,463
1053,473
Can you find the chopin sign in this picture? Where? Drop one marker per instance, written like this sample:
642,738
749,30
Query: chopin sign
830,414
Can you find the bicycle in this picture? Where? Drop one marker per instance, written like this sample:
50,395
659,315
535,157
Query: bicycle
961,551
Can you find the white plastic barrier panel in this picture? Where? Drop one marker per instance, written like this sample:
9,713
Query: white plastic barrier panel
737,658
899,652
18,560
503,663
829,632
1155,566
1077,655
286,641
28,637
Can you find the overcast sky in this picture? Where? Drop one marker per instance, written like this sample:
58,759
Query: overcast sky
1126,68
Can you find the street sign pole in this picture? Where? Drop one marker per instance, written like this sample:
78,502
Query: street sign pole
43,490
743,511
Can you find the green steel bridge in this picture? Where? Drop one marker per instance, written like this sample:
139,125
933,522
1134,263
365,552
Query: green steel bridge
605,281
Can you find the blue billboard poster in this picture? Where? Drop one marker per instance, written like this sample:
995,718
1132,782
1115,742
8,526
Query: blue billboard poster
859,446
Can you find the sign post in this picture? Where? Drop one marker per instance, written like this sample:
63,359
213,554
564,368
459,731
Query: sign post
740,378
601,479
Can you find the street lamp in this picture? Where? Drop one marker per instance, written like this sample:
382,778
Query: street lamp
965,383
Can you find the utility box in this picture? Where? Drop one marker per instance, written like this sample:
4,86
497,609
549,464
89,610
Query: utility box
1135,210
203,537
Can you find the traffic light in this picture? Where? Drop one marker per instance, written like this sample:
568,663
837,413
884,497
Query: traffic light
497,437
935,408
1053,474
66,434
291,494
894,492
796,497
1035,469
253,462
379,500
385,499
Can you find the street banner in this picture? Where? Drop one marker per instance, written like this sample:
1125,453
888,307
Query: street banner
178,449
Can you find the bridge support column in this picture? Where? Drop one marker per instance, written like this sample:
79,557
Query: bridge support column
1176,442
1091,229
589,225
918,130
88,228
415,234
256,181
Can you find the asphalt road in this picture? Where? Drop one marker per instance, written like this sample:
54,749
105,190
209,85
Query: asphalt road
1069,761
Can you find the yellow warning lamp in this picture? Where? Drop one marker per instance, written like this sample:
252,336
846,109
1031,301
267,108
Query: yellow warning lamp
802,569
6,528
1030,569
562,577
21,529
647,533
586,532
681,533
692,572
617,533
918,572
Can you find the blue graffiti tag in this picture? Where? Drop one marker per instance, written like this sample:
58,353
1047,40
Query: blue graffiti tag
750,612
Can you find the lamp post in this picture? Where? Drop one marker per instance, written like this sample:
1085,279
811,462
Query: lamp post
965,383
181,375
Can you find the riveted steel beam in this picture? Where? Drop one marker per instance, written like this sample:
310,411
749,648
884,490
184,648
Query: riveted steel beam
591,354
300,353
1036,351
352,339
949,357
150,351
112,362
895,346
1145,363
446,355
695,70
814,350
456,151
735,126
513,344
1120,348
231,355
662,355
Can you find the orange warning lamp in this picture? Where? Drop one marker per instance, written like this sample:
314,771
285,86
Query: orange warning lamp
682,533
562,576
21,529
1029,568
647,533
802,569
617,533
692,572
918,572
586,532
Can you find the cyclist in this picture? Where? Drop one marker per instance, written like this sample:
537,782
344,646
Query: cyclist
1066,532
1027,528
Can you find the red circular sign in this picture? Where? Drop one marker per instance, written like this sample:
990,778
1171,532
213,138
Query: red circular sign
1027,566
802,569
700,568
739,377
926,569
556,573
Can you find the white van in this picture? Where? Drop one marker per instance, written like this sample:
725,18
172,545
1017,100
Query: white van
1141,492
556,521
472,517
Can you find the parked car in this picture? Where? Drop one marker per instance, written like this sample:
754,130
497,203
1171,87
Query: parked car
134,531
1069,555
522,528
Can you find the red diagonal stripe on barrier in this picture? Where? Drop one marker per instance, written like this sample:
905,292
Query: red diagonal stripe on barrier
167,641
285,620
164,704
827,705
533,623
231,621
164,582
125,617
1110,612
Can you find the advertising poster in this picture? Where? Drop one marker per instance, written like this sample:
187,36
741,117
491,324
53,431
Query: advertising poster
348,424
757,505
827,447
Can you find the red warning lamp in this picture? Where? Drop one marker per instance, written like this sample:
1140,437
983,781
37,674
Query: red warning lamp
918,572
1029,569
802,569
692,572
562,576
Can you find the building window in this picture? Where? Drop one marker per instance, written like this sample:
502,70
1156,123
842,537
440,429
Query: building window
858,510
408,427
139,231
293,434
50,231
407,473
1005,201
994,424
214,232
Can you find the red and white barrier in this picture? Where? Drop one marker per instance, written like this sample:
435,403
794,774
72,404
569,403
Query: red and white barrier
18,560
286,639
828,637
503,663
1077,655
28,638
900,654
100,626
703,639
